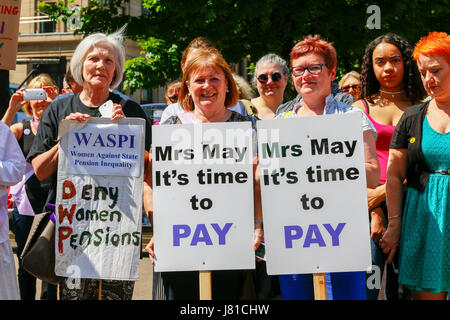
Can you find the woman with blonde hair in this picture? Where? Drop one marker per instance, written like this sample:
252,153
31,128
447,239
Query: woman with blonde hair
29,195
351,84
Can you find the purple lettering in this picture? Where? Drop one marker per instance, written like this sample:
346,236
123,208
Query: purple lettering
201,235
180,231
292,233
334,233
221,232
313,230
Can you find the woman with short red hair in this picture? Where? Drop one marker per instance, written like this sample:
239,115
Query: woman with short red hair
314,63
420,152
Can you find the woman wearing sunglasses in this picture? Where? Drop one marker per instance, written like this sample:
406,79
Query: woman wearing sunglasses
271,78
351,84
390,83
314,64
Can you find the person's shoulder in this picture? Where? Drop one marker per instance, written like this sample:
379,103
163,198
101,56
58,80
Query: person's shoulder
359,104
64,96
416,109
171,120
288,106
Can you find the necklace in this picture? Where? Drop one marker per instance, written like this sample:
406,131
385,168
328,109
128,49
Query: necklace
392,94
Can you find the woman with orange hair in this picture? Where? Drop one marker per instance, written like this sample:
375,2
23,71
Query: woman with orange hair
420,152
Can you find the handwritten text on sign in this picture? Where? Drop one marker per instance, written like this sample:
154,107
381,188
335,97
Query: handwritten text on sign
314,194
98,226
9,33
203,196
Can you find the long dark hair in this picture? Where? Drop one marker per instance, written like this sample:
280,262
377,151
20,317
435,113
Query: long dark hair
412,82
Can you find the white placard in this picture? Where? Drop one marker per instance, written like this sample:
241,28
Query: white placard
98,217
203,196
314,194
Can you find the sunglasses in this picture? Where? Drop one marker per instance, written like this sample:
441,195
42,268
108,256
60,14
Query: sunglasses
347,88
173,98
263,78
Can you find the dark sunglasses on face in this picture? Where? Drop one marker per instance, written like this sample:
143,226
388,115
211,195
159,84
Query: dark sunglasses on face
263,78
173,98
347,88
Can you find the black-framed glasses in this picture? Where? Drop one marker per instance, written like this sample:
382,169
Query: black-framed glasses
312,68
348,87
263,77
173,98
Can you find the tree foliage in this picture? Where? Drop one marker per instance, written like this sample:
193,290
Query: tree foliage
251,28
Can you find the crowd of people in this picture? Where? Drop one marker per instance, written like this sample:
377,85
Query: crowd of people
402,95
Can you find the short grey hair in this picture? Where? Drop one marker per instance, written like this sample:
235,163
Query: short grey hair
271,58
115,39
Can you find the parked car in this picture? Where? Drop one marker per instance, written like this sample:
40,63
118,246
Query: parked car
154,111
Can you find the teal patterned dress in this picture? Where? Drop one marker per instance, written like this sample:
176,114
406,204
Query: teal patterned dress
425,240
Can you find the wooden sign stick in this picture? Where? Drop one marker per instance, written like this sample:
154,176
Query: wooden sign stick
320,286
205,285
100,290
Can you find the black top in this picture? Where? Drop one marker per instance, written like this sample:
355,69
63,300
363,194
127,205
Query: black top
36,190
408,135
26,140
47,134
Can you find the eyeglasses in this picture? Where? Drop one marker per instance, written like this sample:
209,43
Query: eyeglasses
312,68
263,78
347,88
173,98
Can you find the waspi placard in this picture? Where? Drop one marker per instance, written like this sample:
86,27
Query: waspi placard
314,194
99,212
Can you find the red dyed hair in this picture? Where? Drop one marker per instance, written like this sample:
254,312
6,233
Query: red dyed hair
435,44
315,44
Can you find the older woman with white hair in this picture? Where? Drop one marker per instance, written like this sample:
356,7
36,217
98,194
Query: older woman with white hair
97,65
270,78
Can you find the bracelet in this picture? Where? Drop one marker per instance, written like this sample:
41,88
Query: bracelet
395,217
259,222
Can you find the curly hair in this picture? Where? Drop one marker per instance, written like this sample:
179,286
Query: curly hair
412,83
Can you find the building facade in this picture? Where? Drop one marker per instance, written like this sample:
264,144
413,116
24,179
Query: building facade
47,46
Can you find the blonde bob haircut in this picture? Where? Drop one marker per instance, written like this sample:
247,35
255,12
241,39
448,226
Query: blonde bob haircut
115,39
351,74
199,63
41,80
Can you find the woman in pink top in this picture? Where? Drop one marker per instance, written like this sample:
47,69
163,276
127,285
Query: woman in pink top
390,82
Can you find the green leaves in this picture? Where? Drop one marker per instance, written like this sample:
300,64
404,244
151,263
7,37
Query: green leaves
250,28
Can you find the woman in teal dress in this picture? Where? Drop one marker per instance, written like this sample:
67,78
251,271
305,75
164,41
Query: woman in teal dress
420,152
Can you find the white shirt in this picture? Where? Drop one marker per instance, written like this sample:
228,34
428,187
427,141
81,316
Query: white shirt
175,108
12,167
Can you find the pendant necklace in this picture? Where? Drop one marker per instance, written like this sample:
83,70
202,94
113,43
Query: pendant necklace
392,93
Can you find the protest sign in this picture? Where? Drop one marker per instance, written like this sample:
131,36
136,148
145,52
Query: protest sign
203,196
314,194
99,206
9,33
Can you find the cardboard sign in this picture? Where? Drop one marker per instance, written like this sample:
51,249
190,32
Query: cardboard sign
9,33
98,224
203,196
314,194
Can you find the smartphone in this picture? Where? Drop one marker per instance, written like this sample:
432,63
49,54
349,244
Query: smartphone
34,94
260,253
106,109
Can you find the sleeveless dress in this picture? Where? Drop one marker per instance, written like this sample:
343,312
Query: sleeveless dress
425,239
